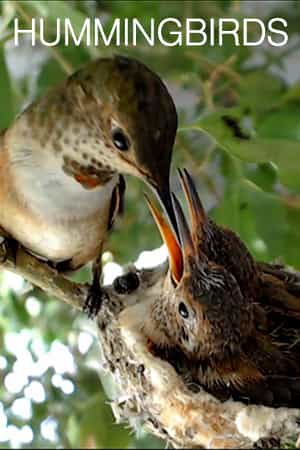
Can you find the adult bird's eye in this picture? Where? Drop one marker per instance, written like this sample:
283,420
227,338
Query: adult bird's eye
120,140
183,311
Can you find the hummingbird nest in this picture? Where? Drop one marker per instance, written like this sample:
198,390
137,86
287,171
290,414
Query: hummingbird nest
152,393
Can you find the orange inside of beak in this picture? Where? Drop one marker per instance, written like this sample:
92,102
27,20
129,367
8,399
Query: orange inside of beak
175,253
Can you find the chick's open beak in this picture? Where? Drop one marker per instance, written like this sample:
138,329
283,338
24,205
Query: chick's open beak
196,209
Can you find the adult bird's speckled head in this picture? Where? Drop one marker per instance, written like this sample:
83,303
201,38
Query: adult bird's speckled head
132,116
114,115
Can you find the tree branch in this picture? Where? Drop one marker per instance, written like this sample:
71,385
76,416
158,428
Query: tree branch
14,258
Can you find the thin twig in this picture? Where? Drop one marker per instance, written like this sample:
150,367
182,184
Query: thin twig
42,275
66,66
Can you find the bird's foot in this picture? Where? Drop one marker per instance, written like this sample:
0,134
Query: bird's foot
125,284
151,347
96,296
9,247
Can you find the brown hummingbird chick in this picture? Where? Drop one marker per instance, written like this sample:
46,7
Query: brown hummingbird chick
220,244
234,346
60,160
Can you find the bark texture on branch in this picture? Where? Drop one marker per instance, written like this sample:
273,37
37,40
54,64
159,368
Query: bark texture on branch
150,392
14,258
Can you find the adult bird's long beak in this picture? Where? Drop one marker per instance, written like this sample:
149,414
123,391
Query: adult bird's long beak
164,196
180,253
167,234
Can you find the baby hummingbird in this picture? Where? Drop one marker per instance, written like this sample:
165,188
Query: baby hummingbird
61,160
220,244
235,345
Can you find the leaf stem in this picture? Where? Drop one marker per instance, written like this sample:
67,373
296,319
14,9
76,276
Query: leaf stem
65,65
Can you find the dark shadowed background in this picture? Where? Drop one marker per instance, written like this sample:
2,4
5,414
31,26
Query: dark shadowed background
246,163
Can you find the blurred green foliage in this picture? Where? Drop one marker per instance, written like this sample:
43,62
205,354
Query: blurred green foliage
239,135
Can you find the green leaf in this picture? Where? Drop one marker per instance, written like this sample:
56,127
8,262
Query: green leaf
56,9
259,90
97,426
267,224
7,12
51,11
285,153
293,94
52,72
264,175
7,111
282,124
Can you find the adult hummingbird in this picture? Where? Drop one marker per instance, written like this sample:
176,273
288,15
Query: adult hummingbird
61,160
236,345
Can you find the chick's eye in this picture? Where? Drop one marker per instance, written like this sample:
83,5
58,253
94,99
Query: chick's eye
183,311
120,140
